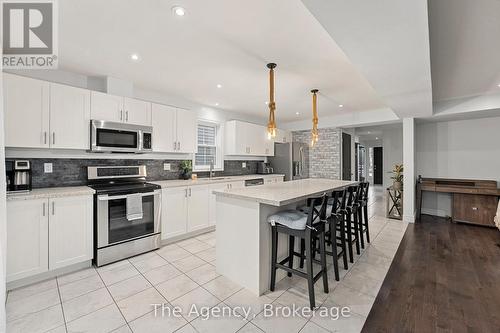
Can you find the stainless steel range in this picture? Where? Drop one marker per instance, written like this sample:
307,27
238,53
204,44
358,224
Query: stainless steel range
127,212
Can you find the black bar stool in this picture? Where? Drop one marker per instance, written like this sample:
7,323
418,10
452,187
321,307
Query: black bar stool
306,226
363,213
335,221
351,221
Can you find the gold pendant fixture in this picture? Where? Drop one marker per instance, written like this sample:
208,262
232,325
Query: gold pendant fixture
314,131
271,125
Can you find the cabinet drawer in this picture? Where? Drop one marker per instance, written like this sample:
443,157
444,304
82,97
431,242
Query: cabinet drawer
476,209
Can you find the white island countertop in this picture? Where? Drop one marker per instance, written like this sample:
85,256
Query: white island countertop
281,194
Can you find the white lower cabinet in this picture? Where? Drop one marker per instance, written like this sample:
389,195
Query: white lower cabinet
212,203
47,234
197,211
27,238
173,212
70,231
184,209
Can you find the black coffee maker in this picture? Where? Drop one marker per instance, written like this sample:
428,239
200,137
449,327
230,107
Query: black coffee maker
18,175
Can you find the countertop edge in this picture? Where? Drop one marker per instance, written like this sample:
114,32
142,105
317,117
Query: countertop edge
182,183
51,192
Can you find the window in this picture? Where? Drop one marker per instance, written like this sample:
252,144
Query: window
208,147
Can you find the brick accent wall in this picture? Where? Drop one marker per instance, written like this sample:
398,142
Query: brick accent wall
324,158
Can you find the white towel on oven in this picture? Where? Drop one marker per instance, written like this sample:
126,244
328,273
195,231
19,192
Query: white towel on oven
134,206
497,217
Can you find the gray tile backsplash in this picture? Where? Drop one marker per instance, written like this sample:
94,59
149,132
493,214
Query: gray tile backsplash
73,172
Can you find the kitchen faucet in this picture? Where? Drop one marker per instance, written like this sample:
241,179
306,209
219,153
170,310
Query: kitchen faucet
212,172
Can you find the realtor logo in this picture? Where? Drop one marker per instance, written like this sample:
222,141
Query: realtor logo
29,34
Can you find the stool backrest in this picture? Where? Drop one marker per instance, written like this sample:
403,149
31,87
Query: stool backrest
338,200
315,214
352,195
365,186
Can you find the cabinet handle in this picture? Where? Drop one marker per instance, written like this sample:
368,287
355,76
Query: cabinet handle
175,145
186,193
121,115
53,208
53,138
43,209
44,138
126,116
178,145
189,191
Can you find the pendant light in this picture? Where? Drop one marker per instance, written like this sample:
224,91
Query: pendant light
271,125
314,131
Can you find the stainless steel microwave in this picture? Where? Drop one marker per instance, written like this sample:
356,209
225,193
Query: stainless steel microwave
111,137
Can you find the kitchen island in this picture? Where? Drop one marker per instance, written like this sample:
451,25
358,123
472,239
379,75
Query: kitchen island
243,234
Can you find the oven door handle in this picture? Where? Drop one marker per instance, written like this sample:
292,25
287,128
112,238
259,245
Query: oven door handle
117,197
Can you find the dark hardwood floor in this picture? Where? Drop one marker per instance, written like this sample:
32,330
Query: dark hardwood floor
445,277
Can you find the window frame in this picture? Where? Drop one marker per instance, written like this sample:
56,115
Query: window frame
219,154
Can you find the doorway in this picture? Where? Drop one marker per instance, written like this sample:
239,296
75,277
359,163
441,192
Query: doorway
378,166
346,156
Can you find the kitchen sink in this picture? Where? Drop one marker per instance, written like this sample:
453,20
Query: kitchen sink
214,178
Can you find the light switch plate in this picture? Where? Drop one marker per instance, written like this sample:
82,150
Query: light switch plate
166,166
243,164
47,167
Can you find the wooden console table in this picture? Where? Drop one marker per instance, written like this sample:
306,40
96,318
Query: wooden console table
474,201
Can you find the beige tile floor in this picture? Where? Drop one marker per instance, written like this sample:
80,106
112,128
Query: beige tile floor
119,297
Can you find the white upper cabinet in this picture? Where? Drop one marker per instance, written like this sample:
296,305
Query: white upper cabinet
247,139
137,112
283,136
174,129
26,108
120,109
164,127
186,131
106,107
69,117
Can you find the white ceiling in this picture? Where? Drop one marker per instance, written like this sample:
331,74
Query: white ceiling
465,47
221,41
388,41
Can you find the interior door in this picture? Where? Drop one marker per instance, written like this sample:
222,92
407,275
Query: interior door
163,119
69,117
378,166
137,112
186,131
26,105
346,157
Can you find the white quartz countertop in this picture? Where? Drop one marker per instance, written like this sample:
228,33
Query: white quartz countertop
280,194
51,192
206,181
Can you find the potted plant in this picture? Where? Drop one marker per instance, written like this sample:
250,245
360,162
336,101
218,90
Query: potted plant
186,167
397,177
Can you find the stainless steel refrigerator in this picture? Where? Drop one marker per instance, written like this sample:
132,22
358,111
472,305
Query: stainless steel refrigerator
291,159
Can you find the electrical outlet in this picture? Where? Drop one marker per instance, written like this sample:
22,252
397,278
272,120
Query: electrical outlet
166,166
47,167
243,165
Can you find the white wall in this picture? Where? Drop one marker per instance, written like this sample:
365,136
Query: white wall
457,149
3,213
392,142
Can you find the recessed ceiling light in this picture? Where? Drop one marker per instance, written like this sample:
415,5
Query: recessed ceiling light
499,85
341,105
219,85
369,132
216,104
178,10
134,56
266,102
376,138
297,113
